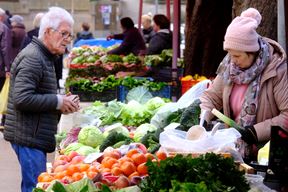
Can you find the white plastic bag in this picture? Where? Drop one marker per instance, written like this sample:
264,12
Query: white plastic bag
175,141
159,119
193,93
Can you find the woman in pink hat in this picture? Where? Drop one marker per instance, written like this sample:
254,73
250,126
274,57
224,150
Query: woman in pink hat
251,86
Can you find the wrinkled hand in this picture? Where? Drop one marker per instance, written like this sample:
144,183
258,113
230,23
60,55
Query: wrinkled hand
70,104
8,74
248,134
109,37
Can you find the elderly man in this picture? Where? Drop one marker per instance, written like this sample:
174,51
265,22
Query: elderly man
33,105
147,30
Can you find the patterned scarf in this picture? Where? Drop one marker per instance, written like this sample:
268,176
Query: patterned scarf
233,74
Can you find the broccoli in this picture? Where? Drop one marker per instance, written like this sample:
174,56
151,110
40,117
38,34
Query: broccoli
190,116
112,139
151,140
175,116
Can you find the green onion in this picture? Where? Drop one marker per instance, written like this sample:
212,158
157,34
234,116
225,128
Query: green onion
225,119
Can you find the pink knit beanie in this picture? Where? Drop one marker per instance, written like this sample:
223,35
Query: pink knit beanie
241,34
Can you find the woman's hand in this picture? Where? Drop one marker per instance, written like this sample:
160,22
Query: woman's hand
248,135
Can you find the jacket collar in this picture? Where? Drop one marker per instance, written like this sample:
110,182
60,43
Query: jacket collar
43,48
277,57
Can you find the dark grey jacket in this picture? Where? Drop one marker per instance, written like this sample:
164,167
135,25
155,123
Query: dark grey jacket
159,42
32,117
5,49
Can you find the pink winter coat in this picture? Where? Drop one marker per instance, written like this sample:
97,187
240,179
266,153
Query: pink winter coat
273,96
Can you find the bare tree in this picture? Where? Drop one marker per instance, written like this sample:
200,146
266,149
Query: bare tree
268,10
206,23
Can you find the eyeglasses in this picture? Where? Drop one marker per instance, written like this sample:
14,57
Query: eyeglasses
65,34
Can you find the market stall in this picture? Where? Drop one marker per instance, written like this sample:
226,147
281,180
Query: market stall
146,145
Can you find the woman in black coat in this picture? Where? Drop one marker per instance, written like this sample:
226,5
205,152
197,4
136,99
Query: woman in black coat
133,41
163,37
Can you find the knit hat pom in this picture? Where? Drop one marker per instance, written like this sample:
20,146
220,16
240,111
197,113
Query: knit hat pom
252,13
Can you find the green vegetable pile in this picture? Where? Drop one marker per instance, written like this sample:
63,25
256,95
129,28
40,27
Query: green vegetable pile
111,58
131,59
207,173
187,117
164,59
111,82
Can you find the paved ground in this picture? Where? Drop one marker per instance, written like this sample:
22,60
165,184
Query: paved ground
10,175
10,178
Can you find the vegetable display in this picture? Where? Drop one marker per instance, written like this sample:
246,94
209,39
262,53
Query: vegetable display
209,172
187,117
90,136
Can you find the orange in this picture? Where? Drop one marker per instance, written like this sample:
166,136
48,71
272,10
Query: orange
77,176
139,158
60,175
132,152
127,168
45,177
105,170
71,169
83,167
116,171
91,174
93,168
116,165
125,159
42,176
142,169
133,175
108,162
161,155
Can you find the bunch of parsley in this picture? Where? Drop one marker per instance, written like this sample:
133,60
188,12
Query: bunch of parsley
209,172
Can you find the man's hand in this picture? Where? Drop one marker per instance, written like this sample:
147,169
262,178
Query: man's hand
248,134
8,74
109,37
70,104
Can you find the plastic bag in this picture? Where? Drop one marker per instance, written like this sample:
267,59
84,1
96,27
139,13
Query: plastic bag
159,119
193,93
4,96
175,141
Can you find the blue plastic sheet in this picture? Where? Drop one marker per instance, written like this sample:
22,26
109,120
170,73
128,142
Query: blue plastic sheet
97,42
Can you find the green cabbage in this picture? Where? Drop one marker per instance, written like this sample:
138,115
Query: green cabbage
135,114
154,103
86,150
143,130
91,136
117,127
72,147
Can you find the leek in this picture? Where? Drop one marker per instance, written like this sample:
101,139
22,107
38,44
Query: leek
225,119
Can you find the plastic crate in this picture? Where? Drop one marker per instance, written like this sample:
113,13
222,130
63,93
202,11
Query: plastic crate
186,85
164,74
90,96
165,92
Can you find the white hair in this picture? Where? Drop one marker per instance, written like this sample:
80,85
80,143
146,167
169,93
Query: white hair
2,12
37,19
53,18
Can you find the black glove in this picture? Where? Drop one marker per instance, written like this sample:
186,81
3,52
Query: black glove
248,134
